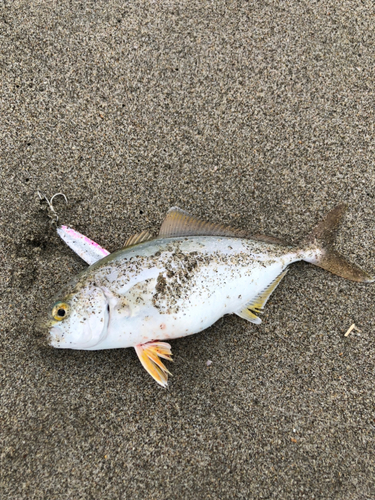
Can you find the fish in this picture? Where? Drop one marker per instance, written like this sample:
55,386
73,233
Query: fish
178,283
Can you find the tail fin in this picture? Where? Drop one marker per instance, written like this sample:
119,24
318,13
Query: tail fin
323,236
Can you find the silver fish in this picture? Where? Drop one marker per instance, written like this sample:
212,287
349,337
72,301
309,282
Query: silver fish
179,283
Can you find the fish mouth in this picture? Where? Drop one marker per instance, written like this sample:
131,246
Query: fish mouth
55,336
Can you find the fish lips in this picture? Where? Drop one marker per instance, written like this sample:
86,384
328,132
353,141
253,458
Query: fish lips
55,336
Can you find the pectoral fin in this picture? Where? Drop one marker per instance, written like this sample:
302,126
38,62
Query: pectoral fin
149,355
257,304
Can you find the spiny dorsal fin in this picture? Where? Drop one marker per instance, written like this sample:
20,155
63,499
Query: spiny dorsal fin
138,238
257,304
180,223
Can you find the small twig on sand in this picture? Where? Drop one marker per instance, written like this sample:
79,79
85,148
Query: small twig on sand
353,327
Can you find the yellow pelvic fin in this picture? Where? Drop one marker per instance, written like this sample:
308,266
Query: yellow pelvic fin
149,355
257,304
138,238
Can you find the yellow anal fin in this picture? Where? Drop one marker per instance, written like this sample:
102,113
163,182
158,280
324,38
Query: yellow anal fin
261,299
249,316
149,355
138,238
257,304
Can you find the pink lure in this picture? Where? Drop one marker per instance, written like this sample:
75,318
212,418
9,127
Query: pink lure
87,249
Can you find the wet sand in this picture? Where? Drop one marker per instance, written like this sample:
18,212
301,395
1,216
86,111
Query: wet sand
255,114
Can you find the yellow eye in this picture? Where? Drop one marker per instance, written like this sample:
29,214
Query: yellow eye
59,311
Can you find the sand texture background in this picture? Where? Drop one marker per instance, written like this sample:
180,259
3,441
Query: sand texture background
259,114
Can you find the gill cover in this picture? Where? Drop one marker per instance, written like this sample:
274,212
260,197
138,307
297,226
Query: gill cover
87,322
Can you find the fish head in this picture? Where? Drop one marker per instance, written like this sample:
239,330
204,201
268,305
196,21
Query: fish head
79,320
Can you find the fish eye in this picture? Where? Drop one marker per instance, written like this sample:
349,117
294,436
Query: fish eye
59,311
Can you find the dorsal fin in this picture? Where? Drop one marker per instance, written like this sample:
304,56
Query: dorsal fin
138,238
269,239
181,223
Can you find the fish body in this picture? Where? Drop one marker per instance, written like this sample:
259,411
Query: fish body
173,287
178,284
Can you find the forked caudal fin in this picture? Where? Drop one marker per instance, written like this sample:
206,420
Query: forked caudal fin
323,237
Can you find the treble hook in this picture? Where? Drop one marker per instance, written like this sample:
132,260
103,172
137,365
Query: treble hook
50,205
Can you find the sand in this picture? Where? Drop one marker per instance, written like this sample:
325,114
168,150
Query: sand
255,114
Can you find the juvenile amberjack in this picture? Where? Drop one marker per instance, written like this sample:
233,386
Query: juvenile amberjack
179,283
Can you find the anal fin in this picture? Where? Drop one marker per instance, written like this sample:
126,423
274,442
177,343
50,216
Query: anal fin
259,301
149,355
249,316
